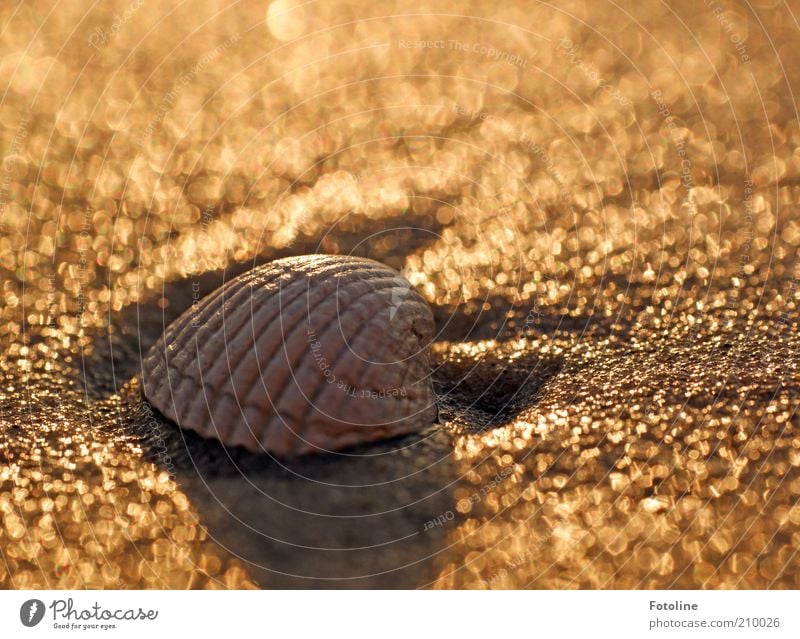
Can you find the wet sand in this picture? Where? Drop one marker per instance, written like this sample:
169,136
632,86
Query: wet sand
603,218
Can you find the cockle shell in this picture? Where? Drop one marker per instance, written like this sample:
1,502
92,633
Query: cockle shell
304,354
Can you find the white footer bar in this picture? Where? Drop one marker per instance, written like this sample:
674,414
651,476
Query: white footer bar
389,614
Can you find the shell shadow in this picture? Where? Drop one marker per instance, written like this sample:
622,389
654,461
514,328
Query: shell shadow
375,516
353,520
477,396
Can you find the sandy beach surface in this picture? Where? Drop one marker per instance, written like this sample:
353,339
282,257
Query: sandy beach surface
598,200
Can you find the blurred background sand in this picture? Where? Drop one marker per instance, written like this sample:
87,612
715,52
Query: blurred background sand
600,201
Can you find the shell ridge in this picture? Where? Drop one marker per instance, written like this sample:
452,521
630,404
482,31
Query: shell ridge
329,324
203,320
291,370
239,368
261,333
240,319
181,364
187,316
365,372
179,369
338,361
413,398
188,370
230,382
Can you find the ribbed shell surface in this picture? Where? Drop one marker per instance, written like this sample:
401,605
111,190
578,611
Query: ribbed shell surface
304,354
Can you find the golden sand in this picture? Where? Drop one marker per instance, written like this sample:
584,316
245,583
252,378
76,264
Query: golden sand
620,179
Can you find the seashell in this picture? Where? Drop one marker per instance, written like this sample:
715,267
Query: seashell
304,354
